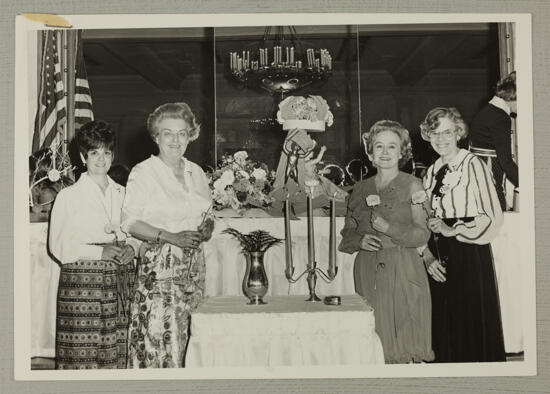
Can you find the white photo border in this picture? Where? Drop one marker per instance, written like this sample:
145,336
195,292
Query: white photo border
22,272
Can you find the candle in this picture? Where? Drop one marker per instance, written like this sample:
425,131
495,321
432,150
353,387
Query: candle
310,234
287,55
291,55
289,265
332,239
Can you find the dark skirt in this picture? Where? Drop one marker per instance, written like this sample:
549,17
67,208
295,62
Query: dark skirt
466,321
92,322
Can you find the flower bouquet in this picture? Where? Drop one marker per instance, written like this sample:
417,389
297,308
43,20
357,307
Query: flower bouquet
240,183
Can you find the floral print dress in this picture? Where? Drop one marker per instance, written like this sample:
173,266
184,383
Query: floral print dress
170,286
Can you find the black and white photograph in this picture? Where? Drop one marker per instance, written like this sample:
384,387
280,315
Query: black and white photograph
274,196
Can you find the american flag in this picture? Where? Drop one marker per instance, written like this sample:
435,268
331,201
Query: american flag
83,98
51,115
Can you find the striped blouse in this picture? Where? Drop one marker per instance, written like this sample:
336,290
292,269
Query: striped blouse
468,191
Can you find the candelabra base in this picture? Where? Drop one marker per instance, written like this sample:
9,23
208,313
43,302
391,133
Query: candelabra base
313,298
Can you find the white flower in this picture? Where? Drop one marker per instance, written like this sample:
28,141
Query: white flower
419,197
228,177
259,174
244,174
54,175
373,200
240,156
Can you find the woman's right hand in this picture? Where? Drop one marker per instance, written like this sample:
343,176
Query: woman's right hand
371,243
186,239
111,252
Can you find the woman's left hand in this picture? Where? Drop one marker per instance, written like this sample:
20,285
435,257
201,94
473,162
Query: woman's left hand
127,255
436,225
379,223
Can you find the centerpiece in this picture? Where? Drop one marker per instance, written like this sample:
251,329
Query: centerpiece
241,183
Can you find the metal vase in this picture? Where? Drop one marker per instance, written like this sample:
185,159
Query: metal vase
255,283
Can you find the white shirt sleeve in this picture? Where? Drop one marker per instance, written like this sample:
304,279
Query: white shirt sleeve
63,239
136,199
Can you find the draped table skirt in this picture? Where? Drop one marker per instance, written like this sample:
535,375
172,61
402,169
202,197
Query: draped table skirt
226,332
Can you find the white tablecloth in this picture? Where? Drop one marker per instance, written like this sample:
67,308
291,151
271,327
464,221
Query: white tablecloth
225,268
226,332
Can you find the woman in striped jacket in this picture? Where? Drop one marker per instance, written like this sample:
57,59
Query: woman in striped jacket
466,215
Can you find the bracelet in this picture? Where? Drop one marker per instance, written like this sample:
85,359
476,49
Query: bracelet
158,236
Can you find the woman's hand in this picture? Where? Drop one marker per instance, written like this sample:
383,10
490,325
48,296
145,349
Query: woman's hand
436,271
436,225
127,255
185,239
379,223
111,253
371,243
434,267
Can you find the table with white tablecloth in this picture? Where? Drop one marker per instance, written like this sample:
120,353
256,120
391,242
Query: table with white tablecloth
227,332
225,267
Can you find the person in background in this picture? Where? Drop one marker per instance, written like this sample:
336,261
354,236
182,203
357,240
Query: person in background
490,136
385,228
85,237
466,215
119,173
166,195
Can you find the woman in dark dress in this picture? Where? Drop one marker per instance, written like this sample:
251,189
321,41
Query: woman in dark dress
466,217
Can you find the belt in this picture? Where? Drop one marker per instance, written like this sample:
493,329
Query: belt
483,152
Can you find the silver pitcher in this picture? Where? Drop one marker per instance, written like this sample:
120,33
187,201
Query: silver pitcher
255,283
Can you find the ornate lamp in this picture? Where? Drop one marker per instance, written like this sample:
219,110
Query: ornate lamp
279,65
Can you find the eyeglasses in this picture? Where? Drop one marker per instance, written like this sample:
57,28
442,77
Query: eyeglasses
445,134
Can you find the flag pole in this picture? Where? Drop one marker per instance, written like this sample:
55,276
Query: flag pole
70,66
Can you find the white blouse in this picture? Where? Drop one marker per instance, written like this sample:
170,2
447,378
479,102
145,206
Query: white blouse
81,217
155,196
468,191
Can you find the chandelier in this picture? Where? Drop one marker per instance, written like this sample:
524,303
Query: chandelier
280,64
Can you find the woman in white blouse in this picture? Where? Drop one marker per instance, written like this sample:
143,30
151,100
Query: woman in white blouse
85,238
466,215
165,199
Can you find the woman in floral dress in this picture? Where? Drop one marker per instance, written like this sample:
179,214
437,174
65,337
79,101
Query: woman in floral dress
466,318
166,195
385,228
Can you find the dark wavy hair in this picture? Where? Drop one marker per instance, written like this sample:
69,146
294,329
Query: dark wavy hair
397,128
506,87
173,111
431,122
94,135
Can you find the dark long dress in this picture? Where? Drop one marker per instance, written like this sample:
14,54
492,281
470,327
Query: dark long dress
393,280
466,322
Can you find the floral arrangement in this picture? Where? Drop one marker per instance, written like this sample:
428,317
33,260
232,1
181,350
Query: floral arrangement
311,113
256,241
240,183
49,169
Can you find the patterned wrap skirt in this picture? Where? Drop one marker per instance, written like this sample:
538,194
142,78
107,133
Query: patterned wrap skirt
92,315
170,285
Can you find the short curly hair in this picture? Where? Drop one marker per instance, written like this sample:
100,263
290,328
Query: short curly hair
506,87
173,111
94,135
395,127
431,122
